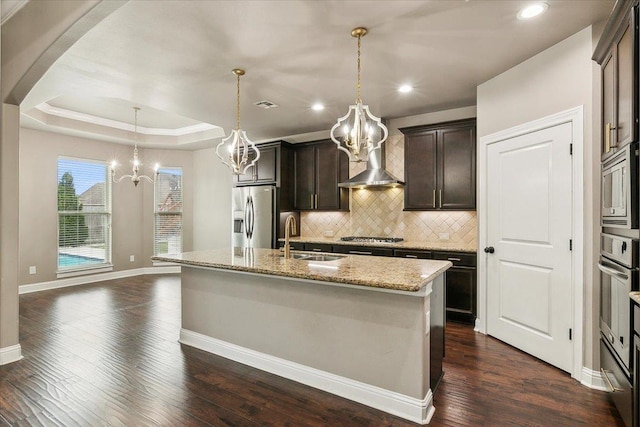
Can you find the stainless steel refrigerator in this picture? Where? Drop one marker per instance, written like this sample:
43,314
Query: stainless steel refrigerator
254,217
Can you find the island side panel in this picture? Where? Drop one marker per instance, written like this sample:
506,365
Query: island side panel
374,337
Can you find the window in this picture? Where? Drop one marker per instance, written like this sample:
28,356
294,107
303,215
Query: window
84,214
168,211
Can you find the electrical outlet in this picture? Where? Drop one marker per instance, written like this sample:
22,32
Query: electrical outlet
32,269
443,236
132,258
328,233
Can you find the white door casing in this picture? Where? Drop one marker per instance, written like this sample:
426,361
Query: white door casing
530,204
529,225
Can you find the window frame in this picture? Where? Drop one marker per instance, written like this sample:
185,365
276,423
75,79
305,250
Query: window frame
157,214
107,265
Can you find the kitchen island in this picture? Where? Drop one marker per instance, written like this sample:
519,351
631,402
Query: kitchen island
356,326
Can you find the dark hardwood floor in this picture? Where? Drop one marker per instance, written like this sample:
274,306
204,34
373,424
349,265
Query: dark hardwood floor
108,354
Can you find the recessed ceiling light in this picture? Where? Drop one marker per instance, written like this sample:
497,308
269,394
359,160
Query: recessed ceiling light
532,10
405,88
317,107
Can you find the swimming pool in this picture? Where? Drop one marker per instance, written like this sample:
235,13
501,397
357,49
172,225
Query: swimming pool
66,260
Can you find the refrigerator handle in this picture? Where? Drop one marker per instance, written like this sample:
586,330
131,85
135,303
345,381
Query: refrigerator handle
246,219
250,214
253,217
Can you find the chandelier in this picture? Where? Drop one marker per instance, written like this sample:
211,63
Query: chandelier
135,177
359,132
237,151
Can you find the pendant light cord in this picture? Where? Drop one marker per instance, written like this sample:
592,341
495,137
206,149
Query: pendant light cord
238,103
358,100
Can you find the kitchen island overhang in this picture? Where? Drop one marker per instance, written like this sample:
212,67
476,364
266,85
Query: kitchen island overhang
307,322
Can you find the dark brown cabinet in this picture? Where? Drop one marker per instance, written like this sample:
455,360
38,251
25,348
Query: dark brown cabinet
319,167
362,250
616,53
461,287
264,172
440,166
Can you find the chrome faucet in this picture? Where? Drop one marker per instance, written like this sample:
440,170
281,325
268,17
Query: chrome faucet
289,227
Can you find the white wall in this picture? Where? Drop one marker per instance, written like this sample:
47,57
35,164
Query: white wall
212,184
555,80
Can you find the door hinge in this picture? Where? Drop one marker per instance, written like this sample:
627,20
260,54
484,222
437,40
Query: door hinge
571,149
570,334
570,244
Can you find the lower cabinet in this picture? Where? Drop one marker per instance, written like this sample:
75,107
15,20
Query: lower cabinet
461,286
362,250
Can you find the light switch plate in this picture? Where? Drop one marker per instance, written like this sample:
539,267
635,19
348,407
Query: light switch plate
132,258
443,236
328,233
32,269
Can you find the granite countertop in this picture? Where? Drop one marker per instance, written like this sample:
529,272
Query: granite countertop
635,297
407,244
400,274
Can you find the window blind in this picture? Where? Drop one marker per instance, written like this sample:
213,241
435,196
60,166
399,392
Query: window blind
168,211
84,214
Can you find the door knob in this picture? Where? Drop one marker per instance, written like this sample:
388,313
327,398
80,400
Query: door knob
489,249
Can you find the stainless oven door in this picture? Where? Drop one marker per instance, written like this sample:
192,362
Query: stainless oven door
615,320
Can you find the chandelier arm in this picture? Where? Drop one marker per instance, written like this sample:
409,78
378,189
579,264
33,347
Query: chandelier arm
117,180
147,178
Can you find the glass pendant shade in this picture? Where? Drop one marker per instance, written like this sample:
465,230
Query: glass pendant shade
359,132
237,151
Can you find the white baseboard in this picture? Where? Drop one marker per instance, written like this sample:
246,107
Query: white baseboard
10,354
92,278
410,408
593,379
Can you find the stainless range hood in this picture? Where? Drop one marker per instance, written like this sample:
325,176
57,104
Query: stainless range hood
375,175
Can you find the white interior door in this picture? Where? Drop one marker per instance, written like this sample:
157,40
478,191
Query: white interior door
529,223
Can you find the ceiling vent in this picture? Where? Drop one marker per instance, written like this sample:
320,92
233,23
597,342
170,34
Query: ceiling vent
266,104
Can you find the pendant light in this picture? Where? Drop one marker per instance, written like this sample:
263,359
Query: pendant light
359,132
237,151
135,178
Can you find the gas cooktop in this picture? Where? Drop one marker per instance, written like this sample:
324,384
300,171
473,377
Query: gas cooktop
365,239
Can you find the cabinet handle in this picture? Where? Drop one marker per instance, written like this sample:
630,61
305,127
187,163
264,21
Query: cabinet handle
605,377
434,198
360,253
316,205
411,256
316,249
440,201
607,137
454,259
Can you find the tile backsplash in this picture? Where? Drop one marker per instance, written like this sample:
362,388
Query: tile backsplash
377,212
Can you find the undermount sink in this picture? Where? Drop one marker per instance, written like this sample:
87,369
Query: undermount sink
315,257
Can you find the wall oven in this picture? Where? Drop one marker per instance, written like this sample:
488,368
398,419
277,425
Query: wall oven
620,189
618,267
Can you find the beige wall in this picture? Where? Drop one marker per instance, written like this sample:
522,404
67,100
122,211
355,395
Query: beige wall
212,210
132,217
9,226
555,80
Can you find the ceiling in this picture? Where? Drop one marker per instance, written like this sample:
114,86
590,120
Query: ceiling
174,60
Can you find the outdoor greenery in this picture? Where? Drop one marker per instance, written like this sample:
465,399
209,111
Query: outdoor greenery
72,228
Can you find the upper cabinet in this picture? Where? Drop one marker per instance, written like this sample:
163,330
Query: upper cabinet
440,166
616,53
319,167
274,167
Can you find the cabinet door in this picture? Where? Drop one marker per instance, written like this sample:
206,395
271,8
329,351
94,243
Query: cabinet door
457,168
625,126
328,174
264,171
304,178
420,171
461,294
608,103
